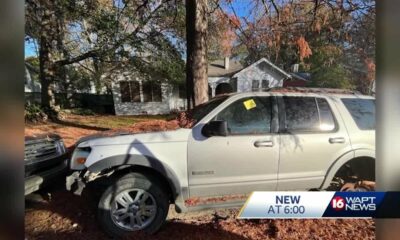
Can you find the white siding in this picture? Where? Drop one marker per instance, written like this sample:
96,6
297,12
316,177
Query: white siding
214,81
260,71
170,100
241,81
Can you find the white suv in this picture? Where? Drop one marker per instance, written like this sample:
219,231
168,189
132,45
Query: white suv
258,141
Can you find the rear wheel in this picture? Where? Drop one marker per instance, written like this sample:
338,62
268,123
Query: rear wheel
133,203
356,175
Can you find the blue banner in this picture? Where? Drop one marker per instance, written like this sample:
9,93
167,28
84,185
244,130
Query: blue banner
354,204
261,205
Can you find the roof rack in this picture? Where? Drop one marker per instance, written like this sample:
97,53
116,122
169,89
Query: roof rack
313,90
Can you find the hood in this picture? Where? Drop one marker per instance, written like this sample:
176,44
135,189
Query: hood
179,135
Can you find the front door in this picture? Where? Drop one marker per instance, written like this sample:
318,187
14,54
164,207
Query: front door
244,161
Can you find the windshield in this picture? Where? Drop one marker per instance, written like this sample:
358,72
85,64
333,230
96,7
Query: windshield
202,110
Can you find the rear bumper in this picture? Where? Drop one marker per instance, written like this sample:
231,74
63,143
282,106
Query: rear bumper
38,180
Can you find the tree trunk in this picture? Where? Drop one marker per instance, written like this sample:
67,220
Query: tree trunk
97,75
196,64
46,75
190,35
61,74
47,50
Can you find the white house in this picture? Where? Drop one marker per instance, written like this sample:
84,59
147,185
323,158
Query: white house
30,85
134,96
259,76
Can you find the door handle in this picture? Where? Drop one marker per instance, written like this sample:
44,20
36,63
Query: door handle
337,140
263,144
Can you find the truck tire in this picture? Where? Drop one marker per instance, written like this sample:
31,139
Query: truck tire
132,203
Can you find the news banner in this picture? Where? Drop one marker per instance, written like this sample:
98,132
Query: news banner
264,205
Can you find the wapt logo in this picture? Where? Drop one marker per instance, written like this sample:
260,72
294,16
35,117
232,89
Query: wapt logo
353,204
338,203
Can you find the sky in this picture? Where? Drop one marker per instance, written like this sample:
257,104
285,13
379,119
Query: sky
30,49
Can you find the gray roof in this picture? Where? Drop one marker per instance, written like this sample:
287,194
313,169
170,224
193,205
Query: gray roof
217,69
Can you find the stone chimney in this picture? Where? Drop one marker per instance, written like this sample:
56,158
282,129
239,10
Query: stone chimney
226,63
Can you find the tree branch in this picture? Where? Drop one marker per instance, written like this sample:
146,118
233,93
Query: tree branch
116,45
276,9
265,6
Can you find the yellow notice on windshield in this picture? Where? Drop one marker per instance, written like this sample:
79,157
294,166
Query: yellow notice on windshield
249,104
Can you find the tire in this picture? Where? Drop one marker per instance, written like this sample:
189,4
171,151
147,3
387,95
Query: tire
116,219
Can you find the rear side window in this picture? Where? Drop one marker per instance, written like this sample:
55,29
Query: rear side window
327,121
362,111
301,114
308,114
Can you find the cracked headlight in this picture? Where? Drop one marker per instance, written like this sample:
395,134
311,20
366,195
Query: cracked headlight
79,157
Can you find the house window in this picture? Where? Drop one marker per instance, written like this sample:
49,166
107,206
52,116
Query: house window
233,82
152,91
182,91
264,85
130,91
255,85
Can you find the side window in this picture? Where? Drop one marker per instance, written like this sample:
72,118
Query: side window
327,120
308,114
248,116
362,111
301,114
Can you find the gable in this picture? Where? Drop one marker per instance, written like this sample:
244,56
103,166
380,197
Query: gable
263,66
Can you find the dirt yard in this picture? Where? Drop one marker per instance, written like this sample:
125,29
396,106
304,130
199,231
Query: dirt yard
58,214
72,127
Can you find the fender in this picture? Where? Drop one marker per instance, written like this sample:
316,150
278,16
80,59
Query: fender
139,160
364,152
335,167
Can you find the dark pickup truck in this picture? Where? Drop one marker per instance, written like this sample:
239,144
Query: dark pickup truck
45,159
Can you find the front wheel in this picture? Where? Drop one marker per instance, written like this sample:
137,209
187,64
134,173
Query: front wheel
133,203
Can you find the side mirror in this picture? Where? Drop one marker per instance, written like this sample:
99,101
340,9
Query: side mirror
215,128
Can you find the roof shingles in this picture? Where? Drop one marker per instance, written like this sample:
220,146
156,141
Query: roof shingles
217,69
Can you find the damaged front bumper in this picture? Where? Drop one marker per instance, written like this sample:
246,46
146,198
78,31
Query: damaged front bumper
75,183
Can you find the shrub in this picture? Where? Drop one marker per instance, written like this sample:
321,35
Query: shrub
34,113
